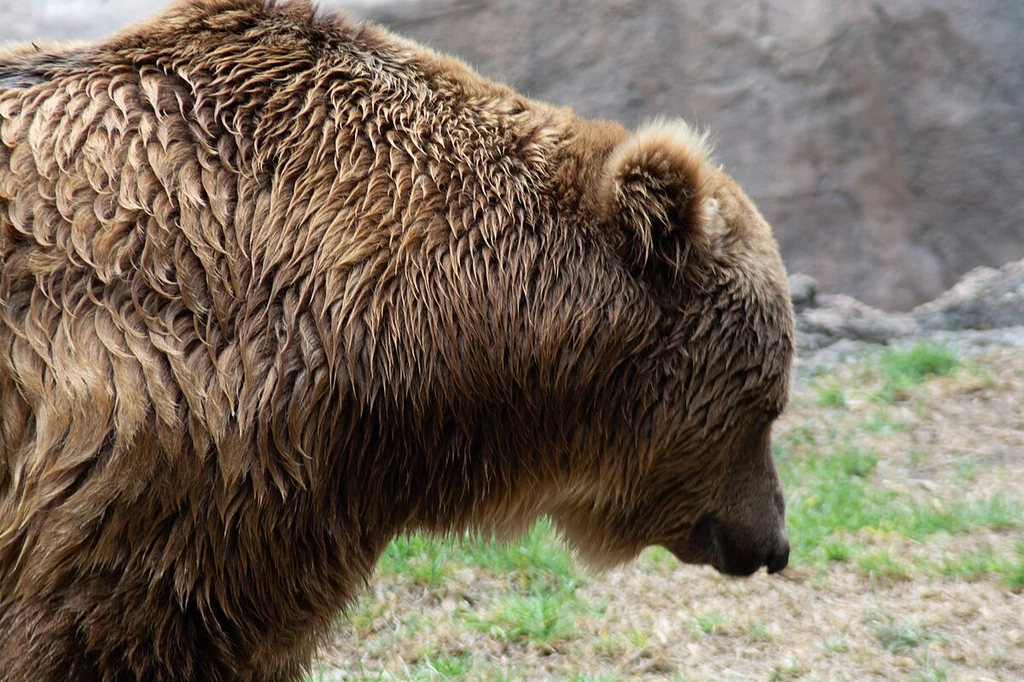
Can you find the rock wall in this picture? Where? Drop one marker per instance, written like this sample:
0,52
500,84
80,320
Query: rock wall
883,140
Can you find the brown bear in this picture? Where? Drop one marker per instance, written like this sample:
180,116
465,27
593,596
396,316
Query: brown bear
277,286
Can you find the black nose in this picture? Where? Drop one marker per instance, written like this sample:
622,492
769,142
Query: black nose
778,560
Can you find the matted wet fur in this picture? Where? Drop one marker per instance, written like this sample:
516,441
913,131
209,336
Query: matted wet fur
276,287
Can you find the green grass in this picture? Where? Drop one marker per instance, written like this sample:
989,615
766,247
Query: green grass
602,677
837,550
417,559
443,667
638,638
967,471
321,675
831,393
1013,570
833,494
902,637
429,668
836,644
974,565
907,638
881,423
837,505
540,604
759,632
787,670
539,558
903,368
930,673
882,564
611,676
996,512
827,494
657,559
710,624
543,617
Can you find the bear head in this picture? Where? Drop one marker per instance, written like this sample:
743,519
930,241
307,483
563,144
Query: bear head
697,475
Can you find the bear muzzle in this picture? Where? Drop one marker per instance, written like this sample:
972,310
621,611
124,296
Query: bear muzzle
739,552
778,559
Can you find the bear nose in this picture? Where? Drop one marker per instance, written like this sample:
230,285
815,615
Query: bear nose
778,559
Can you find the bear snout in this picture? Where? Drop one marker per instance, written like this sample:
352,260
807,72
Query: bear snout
739,552
778,559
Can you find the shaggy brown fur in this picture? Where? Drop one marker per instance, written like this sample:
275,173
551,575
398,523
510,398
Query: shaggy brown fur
275,288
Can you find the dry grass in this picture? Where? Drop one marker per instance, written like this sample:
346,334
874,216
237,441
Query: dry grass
906,498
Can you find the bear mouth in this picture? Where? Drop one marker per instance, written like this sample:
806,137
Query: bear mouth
712,543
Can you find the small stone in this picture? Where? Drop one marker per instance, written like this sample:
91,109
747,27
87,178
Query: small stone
803,289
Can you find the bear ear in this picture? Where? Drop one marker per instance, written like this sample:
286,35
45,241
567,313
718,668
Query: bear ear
654,195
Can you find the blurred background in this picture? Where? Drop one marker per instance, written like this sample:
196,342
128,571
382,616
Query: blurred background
883,140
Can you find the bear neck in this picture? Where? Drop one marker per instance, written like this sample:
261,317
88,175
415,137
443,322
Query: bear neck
482,369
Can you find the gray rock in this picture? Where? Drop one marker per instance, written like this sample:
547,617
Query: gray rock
839,317
987,298
803,290
988,303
